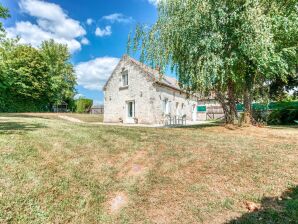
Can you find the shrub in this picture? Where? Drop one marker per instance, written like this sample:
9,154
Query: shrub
83,105
283,116
13,104
260,116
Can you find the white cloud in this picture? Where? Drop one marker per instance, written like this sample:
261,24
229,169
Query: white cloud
154,2
78,96
107,31
117,17
85,41
93,74
51,23
89,21
32,34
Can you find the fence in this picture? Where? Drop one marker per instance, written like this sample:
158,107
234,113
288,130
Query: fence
216,111
175,120
97,110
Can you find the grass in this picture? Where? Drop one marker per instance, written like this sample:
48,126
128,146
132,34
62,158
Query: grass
55,171
90,118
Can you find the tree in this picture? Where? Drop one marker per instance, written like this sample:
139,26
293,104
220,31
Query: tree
83,105
228,47
285,28
34,79
279,89
269,49
62,79
3,14
23,78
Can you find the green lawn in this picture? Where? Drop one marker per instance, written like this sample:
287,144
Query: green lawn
55,171
90,118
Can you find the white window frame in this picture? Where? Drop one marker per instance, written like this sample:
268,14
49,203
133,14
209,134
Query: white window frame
182,109
124,78
132,102
177,109
166,106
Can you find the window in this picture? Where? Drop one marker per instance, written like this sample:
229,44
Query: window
166,106
125,78
131,109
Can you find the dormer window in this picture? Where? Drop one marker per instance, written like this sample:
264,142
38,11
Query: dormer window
124,78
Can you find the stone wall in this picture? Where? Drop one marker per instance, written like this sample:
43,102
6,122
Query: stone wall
176,99
139,89
148,97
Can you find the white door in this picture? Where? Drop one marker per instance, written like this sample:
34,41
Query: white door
194,112
130,111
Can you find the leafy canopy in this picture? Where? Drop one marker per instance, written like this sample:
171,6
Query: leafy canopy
210,43
3,14
34,79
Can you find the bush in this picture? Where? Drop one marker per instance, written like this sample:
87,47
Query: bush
13,104
260,116
279,113
283,116
83,105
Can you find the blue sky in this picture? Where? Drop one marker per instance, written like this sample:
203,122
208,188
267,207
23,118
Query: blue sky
96,32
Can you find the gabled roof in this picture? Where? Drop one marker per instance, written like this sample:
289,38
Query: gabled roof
157,77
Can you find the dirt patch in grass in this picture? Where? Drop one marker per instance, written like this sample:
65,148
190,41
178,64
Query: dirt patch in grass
135,166
118,201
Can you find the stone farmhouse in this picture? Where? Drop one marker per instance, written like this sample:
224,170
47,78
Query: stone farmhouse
136,93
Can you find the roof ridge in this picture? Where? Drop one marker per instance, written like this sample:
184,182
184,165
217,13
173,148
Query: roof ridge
149,68
157,76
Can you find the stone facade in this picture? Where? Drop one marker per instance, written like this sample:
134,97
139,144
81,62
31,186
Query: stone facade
147,98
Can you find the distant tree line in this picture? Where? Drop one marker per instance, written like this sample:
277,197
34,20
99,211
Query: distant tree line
34,79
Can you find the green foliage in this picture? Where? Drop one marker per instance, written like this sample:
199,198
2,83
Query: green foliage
271,106
3,14
208,42
60,71
34,79
83,105
23,77
274,113
278,86
223,46
283,117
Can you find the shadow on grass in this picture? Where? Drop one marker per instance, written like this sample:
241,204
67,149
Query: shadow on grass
201,126
283,127
277,210
10,127
23,115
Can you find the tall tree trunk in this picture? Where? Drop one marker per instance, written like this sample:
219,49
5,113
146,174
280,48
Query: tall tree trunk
232,100
247,93
247,101
229,119
247,106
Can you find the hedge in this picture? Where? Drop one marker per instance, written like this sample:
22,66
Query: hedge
83,105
